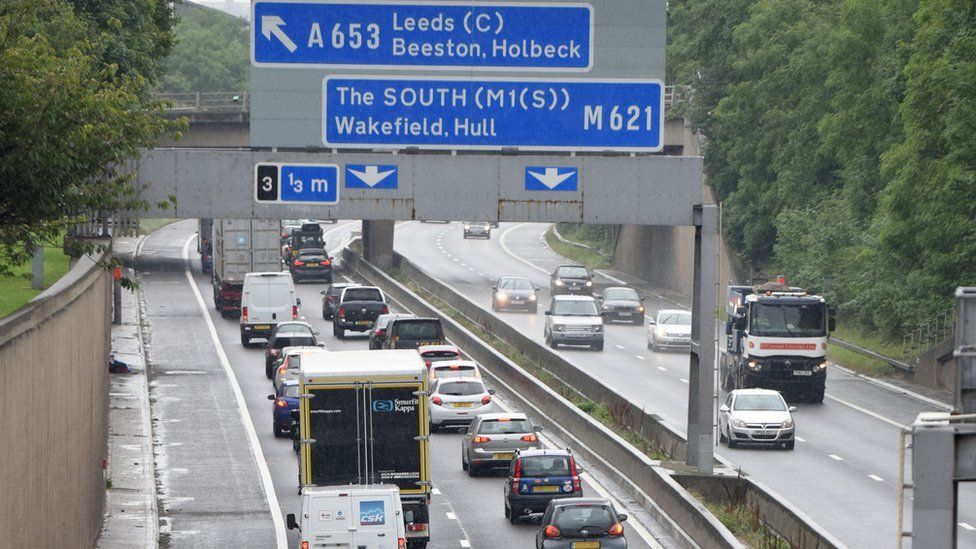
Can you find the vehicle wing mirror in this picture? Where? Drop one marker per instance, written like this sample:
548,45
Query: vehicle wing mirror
491,391
494,288
740,311
723,408
321,344
324,292
728,328
792,409
292,525
740,322
621,517
536,519
537,428
651,321
271,397
315,332
831,324
548,313
298,301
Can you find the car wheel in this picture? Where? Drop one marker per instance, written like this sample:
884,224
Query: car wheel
507,512
534,309
472,470
464,465
338,332
817,394
598,346
268,369
722,439
512,516
494,306
789,445
639,321
732,443
245,340
277,431
434,428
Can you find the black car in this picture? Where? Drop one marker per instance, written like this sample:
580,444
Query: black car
287,334
577,522
330,299
311,263
537,477
514,292
410,333
377,334
622,304
571,279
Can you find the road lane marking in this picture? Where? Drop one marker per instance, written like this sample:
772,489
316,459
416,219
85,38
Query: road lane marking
865,411
800,439
683,380
836,457
451,516
435,491
281,539
465,543
621,347
501,242
662,368
967,526
640,357
876,477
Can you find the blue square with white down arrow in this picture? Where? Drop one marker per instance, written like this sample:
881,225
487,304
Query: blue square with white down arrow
371,176
548,178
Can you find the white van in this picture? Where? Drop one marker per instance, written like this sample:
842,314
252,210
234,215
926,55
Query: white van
351,517
266,300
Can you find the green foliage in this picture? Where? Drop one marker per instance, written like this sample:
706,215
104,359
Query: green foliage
68,121
211,54
841,135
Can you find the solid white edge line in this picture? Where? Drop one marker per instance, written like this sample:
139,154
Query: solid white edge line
604,493
506,249
875,415
894,388
281,538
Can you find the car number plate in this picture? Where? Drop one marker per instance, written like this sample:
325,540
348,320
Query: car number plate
517,302
547,489
586,545
364,322
764,432
312,264
261,327
625,314
503,456
802,373
461,404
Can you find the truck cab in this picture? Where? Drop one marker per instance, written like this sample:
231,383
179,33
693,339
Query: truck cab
366,517
777,339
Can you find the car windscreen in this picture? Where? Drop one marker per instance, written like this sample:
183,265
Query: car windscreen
545,466
593,518
311,255
504,427
362,294
678,319
515,284
788,320
575,308
573,272
294,341
290,390
439,355
754,403
460,388
622,294
336,290
418,329
454,370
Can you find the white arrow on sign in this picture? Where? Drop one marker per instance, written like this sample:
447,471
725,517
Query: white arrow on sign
271,24
551,177
371,175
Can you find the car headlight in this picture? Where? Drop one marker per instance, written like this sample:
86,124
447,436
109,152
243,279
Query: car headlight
640,309
532,297
598,328
502,296
559,282
787,424
754,365
739,423
467,226
820,367
559,328
589,282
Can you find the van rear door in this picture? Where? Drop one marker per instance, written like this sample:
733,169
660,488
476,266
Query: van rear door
271,298
376,521
331,521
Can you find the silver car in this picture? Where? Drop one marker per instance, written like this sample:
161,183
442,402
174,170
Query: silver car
670,329
287,367
492,440
455,402
756,416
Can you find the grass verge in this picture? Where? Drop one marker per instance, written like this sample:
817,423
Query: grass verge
16,290
588,258
860,363
745,523
598,410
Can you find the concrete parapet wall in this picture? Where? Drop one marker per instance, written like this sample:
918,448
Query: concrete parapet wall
54,412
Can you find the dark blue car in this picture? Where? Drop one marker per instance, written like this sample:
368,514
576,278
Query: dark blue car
537,477
285,401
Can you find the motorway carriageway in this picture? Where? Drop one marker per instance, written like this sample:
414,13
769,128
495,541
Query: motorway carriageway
844,470
215,450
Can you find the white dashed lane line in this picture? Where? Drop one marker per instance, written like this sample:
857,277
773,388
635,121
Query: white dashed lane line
662,368
800,439
640,357
621,347
967,526
451,516
683,380
435,491
465,543
836,457
876,477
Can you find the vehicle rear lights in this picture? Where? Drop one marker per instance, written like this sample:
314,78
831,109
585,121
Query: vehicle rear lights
282,369
486,399
427,362
281,403
616,530
341,312
481,440
274,352
327,262
529,438
294,312
416,527
304,545
298,263
244,313
551,531
386,310
401,543
573,472
517,475
437,400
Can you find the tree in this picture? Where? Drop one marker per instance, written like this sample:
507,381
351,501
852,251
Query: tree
68,120
211,53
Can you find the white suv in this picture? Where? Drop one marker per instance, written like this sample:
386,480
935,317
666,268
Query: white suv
574,320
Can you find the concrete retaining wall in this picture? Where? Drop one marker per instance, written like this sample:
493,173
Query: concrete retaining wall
54,413
635,470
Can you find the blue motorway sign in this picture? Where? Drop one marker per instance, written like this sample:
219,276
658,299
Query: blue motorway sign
548,178
493,113
491,35
277,183
371,176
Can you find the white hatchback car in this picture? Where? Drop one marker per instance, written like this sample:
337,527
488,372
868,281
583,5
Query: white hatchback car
670,329
456,402
756,416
